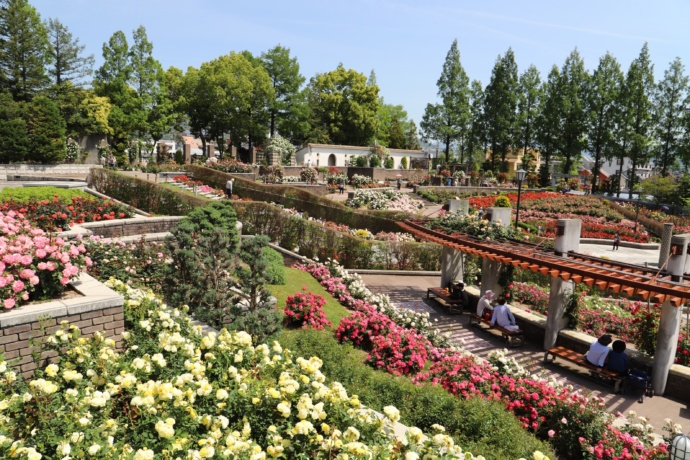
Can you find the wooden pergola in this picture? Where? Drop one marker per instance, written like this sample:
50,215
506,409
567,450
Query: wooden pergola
631,280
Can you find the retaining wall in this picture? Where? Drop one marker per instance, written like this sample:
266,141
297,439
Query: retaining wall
9,171
98,309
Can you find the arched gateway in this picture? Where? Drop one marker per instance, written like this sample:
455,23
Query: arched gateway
565,265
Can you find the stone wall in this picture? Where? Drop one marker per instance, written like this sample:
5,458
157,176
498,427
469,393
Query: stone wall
135,226
97,309
9,171
383,173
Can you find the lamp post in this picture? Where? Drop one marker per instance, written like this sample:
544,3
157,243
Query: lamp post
680,447
519,176
637,209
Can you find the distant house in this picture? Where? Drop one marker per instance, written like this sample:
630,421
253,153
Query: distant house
514,159
340,155
611,168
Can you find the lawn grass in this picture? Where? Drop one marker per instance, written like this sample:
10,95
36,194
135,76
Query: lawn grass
295,280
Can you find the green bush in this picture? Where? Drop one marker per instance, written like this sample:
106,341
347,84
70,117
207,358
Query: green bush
403,162
318,241
275,272
25,194
479,426
389,163
502,201
144,195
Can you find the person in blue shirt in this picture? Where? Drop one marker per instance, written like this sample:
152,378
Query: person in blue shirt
503,316
618,359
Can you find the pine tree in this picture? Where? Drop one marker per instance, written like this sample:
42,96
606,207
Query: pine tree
15,138
23,49
65,55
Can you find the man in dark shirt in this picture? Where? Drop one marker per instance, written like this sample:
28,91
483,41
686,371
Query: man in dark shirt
618,359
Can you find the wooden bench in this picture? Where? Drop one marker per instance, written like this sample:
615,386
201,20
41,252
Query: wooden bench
512,338
580,360
453,305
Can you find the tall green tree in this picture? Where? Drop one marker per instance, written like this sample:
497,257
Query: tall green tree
529,97
549,124
154,115
449,120
343,107
67,62
23,49
574,79
603,92
287,110
638,114
46,130
111,80
256,115
478,146
500,111
15,138
671,103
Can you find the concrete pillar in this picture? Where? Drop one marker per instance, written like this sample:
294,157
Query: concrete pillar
669,323
462,206
187,150
490,270
567,239
665,246
501,215
451,266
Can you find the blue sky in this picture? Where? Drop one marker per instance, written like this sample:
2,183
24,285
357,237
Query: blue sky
404,41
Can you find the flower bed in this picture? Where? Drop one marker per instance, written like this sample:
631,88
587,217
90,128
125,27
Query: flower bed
565,418
174,393
34,264
388,199
305,310
56,215
543,209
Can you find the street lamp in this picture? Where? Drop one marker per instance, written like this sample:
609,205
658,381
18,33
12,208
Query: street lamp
519,176
680,447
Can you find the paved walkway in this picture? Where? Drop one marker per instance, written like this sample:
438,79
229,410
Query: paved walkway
410,292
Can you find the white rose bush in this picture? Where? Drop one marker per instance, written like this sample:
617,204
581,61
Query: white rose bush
173,393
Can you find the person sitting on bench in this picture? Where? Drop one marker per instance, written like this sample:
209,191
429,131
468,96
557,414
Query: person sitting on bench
458,292
484,307
599,351
618,361
503,316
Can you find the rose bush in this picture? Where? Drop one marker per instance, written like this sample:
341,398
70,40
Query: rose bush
305,309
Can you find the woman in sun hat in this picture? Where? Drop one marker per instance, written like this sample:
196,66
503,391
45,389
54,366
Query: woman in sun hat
484,307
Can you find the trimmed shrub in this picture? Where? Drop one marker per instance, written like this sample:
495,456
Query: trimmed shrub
502,201
275,272
25,194
144,195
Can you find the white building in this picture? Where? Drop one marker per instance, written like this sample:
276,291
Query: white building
340,155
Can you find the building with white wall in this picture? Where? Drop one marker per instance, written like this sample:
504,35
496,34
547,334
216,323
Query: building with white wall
325,155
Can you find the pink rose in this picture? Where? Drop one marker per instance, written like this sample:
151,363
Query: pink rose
9,303
18,286
41,253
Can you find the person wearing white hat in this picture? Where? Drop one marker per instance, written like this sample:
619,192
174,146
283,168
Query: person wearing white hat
484,307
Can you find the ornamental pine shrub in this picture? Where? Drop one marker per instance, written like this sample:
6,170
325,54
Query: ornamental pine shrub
502,201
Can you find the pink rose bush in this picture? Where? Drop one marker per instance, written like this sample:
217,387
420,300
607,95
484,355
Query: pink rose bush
305,310
555,413
33,263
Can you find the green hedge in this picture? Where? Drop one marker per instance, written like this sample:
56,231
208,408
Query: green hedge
275,272
479,426
291,197
316,241
25,194
144,195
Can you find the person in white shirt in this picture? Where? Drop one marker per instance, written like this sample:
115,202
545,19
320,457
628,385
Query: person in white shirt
484,306
599,351
503,316
228,187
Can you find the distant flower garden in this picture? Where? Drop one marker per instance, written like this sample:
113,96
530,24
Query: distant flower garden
543,209
388,199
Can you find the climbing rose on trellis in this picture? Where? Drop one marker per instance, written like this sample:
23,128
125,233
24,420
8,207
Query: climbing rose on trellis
305,309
